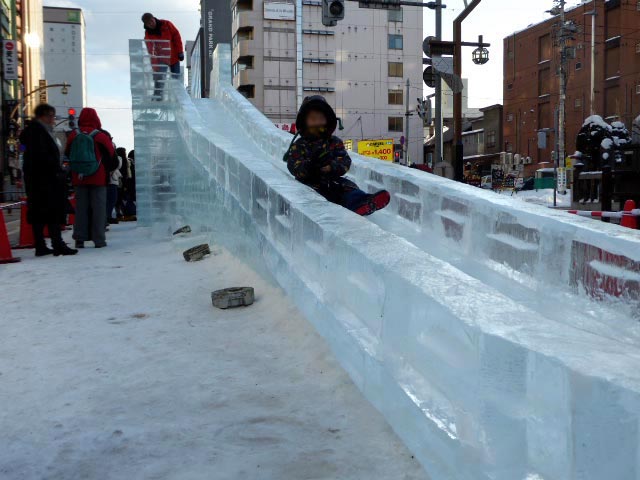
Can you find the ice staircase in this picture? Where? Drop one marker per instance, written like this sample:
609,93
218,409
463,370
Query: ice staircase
499,339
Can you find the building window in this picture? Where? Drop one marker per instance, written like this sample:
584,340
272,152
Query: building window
249,91
491,139
544,82
395,42
638,47
544,48
509,117
396,97
395,69
577,103
638,89
395,124
395,15
578,65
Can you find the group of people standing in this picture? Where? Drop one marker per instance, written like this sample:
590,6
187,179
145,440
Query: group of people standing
103,180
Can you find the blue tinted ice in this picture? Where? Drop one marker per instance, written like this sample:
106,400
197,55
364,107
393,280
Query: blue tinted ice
499,339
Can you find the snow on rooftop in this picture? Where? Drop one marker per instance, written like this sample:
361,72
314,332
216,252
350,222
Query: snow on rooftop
115,365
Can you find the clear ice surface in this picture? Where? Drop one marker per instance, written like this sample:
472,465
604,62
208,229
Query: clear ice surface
499,339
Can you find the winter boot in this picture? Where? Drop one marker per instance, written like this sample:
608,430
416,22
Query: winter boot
43,251
374,202
64,250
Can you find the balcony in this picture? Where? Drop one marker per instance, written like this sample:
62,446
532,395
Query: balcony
244,19
246,77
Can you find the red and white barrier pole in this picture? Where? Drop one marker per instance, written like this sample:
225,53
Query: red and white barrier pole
628,217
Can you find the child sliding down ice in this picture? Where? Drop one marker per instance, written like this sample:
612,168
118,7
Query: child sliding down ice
319,159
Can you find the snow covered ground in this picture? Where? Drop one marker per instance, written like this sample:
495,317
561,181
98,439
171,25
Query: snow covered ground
542,197
115,365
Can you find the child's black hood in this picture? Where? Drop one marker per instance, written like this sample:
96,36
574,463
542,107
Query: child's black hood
319,103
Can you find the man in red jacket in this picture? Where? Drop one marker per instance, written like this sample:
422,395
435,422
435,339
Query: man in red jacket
164,44
91,191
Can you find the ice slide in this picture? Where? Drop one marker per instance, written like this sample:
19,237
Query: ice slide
499,339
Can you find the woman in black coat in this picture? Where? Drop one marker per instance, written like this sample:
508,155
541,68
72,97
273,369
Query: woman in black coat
45,182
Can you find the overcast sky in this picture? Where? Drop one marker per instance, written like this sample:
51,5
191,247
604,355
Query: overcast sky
110,24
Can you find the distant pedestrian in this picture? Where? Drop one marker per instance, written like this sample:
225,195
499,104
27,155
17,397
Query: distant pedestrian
45,182
115,180
125,174
164,44
130,207
91,153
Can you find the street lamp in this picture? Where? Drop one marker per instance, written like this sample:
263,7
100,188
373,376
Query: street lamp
480,56
64,90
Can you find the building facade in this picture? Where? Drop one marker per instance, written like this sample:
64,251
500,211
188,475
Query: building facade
282,53
65,59
531,83
21,21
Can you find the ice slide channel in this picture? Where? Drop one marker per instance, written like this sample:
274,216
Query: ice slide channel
479,383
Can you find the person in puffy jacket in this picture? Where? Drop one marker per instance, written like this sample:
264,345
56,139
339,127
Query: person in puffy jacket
320,160
164,44
91,191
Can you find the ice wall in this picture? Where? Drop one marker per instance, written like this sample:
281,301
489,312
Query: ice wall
477,384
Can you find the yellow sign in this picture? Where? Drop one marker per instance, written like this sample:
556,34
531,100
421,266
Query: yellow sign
568,163
381,149
348,144
44,98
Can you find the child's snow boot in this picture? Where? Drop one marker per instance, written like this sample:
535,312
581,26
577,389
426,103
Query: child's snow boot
375,202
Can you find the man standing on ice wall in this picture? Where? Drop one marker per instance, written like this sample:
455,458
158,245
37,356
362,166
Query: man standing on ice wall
165,47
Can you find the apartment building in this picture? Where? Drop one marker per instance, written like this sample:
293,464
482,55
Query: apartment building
65,59
531,82
282,53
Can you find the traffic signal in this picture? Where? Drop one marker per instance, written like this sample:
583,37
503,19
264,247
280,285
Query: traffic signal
72,118
332,12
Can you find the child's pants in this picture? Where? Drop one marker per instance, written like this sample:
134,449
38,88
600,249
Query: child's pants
343,192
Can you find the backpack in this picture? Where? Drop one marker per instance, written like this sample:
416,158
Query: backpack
82,158
110,162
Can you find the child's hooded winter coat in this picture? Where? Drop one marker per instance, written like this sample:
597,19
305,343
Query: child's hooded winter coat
315,150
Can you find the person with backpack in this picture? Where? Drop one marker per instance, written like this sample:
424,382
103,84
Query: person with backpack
92,159
45,182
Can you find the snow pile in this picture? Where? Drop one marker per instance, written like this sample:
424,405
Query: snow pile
115,365
544,197
454,311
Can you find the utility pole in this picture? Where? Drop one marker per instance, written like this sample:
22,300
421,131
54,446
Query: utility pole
438,113
593,14
458,167
563,86
407,117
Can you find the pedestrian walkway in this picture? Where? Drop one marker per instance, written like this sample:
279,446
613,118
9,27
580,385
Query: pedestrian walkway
114,365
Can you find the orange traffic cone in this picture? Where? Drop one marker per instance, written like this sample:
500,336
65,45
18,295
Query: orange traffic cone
628,220
26,232
5,248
